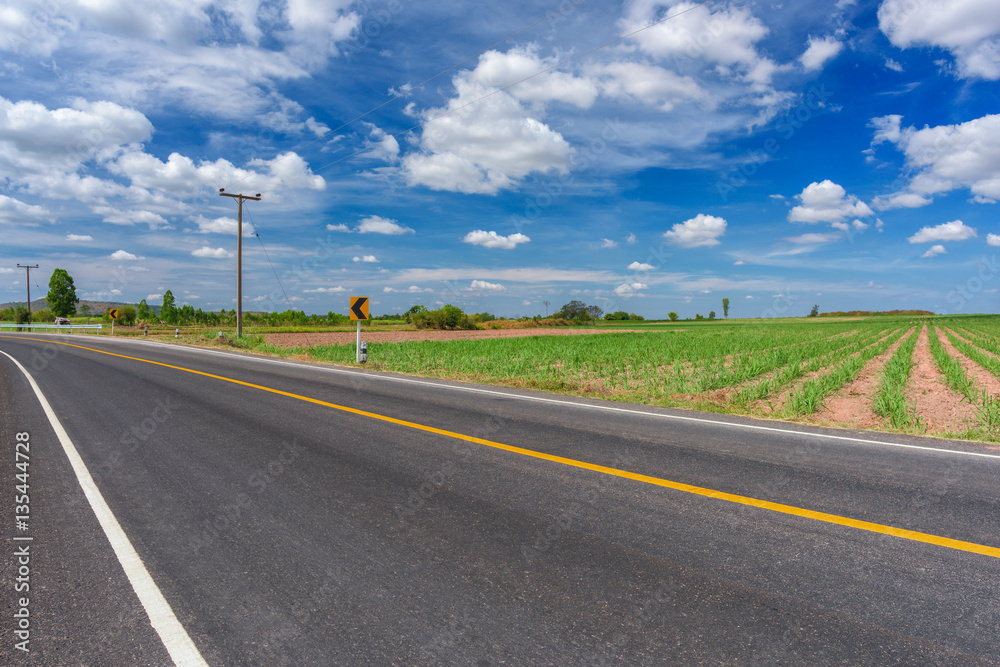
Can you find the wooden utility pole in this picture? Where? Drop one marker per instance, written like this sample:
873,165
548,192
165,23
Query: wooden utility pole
239,256
27,280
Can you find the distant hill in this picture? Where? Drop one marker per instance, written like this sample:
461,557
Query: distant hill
869,313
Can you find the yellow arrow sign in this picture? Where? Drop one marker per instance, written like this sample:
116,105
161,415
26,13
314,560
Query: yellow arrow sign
359,308
113,313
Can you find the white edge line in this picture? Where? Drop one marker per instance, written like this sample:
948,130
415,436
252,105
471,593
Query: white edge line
175,639
569,403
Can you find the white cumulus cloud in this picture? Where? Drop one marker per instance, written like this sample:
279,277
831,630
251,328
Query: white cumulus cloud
368,259
956,230
819,52
375,224
494,240
640,266
827,202
79,237
969,29
701,230
506,138
223,226
630,289
483,286
214,253
123,256
949,157
934,251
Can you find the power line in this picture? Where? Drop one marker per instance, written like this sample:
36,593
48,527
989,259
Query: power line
255,233
426,81
527,78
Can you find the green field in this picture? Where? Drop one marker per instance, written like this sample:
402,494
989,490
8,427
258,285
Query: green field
785,369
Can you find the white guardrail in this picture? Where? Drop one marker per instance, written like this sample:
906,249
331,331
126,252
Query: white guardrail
59,328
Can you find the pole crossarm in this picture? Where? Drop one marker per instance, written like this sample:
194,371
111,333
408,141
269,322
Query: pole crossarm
239,255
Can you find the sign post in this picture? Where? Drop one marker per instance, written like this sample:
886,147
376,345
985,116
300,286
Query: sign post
359,311
113,314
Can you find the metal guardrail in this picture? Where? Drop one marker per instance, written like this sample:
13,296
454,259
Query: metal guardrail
60,328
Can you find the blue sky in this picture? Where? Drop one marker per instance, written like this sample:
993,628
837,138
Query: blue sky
843,154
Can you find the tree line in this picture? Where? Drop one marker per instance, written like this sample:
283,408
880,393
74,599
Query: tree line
62,301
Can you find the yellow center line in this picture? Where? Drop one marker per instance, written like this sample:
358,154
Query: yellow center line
646,479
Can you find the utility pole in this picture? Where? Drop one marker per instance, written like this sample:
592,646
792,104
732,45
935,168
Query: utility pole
27,280
239,257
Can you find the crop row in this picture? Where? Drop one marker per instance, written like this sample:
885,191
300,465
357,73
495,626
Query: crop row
890,399
790,362
809,397
775,382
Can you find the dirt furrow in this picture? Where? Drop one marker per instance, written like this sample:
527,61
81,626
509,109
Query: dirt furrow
852,405
939,408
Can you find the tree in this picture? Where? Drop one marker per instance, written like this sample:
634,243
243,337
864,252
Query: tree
594,312
574,310
62,294
699,316
672,316
711,314
725,308
167,310
413,312
126,316
143,313
85,310
815,311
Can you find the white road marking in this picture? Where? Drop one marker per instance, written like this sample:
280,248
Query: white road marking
176,640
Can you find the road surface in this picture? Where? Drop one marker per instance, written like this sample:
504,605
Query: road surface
280,513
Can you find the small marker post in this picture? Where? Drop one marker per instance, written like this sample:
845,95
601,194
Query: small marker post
358,312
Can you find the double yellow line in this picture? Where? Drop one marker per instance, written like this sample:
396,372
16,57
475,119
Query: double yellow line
902,533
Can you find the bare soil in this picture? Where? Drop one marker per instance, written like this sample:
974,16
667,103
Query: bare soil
310,339
852,405
939,407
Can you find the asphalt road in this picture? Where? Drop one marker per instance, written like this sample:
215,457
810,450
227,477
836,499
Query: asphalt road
329,516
